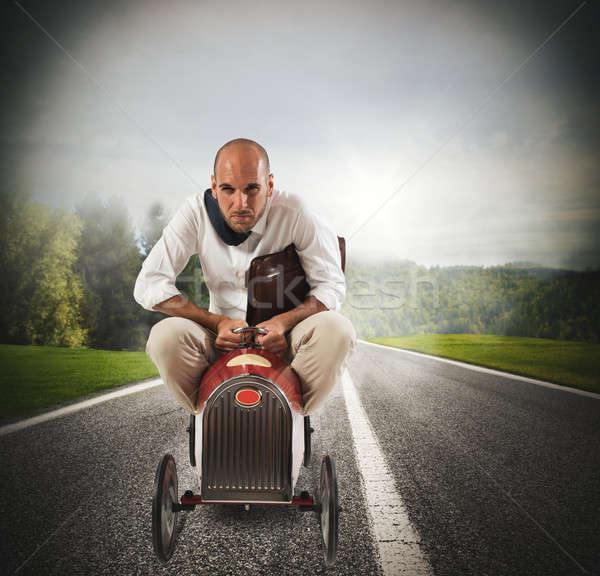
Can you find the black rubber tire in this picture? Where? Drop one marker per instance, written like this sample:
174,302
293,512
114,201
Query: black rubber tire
192,439
164,519
307,445
329,510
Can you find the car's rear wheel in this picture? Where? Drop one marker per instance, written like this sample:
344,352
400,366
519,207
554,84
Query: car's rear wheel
329,510
164,517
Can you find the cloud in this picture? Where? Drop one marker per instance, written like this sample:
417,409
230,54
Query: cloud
349,98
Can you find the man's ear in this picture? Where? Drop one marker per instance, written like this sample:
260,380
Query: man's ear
213,185
270,185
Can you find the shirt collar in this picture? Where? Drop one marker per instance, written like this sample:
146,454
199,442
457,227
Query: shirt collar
259,227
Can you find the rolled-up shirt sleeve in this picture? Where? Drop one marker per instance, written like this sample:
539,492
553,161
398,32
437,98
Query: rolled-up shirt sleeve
169,256
318,249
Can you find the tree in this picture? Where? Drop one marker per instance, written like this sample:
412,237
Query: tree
108,263
155,221
41,295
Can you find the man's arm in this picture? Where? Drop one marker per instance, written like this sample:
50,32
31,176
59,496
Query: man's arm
278,326
184,308
155,287
220,325
319,253
292,317
169,256
318,249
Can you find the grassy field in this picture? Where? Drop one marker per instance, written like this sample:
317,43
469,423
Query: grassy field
35,377
571,363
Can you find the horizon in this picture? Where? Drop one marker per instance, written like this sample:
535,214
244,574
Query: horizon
379,259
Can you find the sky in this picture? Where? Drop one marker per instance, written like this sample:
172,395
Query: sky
461,133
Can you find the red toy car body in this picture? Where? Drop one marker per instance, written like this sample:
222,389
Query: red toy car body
247,441
251,443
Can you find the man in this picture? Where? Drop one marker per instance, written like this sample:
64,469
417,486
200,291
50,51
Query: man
242,216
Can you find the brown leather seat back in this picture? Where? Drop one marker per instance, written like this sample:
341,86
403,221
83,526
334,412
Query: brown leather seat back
277,283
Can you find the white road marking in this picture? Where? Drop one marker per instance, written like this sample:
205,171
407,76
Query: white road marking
397,541
489,371
21,424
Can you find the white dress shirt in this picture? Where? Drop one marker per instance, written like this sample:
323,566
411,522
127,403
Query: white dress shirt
286,220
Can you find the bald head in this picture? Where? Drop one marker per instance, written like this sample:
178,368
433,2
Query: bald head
242,144
242,182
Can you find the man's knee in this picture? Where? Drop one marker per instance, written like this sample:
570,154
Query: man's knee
172,333
334,329
337,326
160,335
175,337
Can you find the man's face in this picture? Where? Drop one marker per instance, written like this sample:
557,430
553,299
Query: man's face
241,186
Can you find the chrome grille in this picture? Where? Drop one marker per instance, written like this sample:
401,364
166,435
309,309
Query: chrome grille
246,452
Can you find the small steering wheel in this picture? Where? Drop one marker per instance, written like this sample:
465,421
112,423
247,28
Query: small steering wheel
253,331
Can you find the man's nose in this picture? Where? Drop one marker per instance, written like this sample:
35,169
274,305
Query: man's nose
241,201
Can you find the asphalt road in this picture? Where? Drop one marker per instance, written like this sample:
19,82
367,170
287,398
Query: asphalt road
499,477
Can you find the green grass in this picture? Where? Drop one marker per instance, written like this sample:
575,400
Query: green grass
574,364
35,377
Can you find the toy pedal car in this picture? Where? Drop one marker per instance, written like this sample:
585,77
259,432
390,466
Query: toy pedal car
247,444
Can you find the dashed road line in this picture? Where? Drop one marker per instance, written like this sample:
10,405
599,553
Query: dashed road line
397,540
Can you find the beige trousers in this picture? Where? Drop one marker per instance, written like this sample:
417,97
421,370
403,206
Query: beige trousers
318,347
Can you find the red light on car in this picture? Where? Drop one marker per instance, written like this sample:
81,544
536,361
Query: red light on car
247,397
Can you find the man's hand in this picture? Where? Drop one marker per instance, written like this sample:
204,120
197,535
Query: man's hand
226,340
274,340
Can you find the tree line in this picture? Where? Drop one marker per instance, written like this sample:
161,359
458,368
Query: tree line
68,277
520,299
